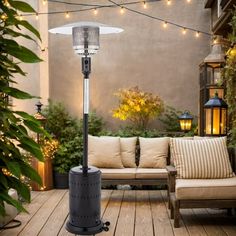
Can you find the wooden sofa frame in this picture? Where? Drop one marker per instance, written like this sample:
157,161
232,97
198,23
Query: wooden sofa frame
175,205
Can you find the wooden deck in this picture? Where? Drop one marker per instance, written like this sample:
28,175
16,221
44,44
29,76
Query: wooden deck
139,213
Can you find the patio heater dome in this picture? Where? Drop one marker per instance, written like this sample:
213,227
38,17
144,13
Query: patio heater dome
85,35
85,181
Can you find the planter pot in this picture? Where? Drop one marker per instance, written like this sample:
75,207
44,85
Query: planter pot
60,181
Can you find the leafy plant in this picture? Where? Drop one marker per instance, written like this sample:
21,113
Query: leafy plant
68,132
15,142
138,107
229,78
170,119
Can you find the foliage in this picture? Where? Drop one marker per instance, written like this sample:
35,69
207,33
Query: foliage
68,132
15,143
170,119
229,78
138,107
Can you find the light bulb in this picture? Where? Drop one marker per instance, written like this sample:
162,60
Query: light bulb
168,2
95,11
67,14
165,24
7,4
44,2
122,10
144,5
197,34
20,17
36,16
184,31
188,1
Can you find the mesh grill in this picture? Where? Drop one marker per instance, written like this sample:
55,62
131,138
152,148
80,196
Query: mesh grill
86,40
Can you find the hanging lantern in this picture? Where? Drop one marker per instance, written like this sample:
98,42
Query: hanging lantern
185,121
215,117
210,76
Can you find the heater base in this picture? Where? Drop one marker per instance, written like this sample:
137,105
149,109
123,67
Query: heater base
87,230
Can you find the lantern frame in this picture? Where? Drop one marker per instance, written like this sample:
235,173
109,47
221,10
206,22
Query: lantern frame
187,120
215,115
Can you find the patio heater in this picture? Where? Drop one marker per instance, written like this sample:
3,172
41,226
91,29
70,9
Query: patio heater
85,181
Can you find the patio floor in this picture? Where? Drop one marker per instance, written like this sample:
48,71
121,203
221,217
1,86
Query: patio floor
139,213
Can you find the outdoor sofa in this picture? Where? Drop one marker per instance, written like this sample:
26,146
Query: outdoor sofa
203,176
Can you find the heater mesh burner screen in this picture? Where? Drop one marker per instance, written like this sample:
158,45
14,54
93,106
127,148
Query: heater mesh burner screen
86,40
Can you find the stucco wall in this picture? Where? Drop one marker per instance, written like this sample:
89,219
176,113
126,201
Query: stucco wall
158,60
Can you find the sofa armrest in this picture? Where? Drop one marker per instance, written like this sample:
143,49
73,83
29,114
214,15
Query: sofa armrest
232,157
171,178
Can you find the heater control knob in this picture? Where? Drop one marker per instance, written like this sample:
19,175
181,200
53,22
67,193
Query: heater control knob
107,223
106,229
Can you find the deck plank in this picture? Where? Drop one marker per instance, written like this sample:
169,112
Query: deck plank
112,211
192,223
32,208
42,215
181,231
57,218
161,221
211,227
143,221
127,215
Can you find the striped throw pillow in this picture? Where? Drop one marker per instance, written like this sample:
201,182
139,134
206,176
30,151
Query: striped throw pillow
201,159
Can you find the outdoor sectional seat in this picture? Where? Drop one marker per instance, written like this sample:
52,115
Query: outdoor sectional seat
122,161
203,176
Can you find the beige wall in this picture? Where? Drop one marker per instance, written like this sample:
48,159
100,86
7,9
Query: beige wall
161,61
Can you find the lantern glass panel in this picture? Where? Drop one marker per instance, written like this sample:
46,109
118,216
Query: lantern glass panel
185,125
216,120
223,121
216,75
212,92
208,121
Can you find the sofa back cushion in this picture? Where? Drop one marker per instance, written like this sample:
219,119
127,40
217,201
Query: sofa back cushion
104,152
128,148
201,159
153,152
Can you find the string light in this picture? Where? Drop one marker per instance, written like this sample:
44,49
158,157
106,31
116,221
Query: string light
188,1
168,2
95,11
6,3
67,15
144,5
3,17
122,10
44,2
184,31
197,34
165,24
20,17
36,16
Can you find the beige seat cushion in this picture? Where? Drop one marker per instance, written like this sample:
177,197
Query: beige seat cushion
104,152
206,188
151,173
153,152
128,147
201,159
125,173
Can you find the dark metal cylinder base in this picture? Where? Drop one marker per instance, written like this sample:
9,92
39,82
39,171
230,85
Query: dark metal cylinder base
85,230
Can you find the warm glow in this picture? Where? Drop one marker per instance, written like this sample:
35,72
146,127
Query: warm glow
144,5
3,17
95,11
168,2
165,24
122,10
7,3
44,2
220,91
184,31
185,125
20,17
36,16
197,34
67,15
188,1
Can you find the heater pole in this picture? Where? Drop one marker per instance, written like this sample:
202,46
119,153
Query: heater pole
86,69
